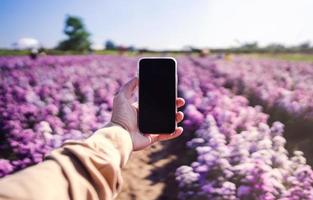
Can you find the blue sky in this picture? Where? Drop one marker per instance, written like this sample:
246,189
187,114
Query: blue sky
163,23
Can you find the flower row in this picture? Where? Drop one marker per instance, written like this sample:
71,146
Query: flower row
239,155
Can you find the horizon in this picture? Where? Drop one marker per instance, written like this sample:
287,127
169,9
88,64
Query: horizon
207,24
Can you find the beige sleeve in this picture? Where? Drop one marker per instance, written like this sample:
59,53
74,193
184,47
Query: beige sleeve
89,169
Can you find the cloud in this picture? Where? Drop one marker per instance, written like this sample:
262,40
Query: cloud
27,43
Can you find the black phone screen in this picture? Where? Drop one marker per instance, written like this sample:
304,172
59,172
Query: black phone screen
157,95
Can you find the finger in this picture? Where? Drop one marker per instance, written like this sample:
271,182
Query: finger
179,116
129,87
177,133
180,102
152,138
135,104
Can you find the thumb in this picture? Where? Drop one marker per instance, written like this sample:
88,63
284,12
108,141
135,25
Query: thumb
129,87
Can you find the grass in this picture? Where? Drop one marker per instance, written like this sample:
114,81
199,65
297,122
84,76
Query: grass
11,52
280,56
287,56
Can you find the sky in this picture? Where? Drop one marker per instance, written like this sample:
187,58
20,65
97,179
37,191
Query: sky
162,24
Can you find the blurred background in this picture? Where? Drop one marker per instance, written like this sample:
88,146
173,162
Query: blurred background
245,69
240,25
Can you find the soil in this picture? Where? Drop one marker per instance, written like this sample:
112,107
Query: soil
150,173
138,181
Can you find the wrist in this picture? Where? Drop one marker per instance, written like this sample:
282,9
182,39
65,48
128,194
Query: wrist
120,127
118,136
111,123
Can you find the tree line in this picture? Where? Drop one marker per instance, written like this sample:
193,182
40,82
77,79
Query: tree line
78,39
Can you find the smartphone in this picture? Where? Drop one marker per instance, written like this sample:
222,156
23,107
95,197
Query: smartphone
157,95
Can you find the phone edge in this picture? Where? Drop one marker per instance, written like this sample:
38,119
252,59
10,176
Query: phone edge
176,86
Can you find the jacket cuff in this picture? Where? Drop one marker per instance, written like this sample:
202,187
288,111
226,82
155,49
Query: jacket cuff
119,137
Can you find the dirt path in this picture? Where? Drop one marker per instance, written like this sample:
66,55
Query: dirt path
139,183
150,174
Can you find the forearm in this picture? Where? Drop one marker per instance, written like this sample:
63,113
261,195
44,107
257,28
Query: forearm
89,169
42,181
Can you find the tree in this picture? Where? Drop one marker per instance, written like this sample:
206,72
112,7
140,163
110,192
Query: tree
305,45
109,45
275,47
250,46
78,37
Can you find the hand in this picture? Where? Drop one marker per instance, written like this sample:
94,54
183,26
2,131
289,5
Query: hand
125,114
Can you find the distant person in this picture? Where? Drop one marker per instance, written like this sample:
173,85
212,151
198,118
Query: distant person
33,54
204,52
88,169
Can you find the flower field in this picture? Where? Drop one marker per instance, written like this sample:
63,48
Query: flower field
283,88
240,154
283,84
45,102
